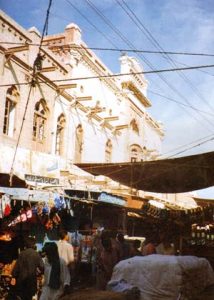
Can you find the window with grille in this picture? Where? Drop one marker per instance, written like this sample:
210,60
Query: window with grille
12,98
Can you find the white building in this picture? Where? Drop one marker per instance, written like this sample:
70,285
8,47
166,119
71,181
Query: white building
53,116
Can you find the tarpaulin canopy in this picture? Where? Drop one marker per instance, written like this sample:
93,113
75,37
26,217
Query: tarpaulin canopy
203,201
5,181
177,175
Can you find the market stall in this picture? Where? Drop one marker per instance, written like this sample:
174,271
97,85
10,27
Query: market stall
177,175
199,240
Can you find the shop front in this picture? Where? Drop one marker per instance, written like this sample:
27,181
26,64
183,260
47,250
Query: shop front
200,239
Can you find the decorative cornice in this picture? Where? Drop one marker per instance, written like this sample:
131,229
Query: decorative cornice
15,26
138,94
54,60
16,49
67,86
84,98
154,124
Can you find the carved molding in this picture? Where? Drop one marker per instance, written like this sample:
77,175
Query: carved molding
138,94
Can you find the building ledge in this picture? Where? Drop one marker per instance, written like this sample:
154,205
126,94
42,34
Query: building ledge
138,94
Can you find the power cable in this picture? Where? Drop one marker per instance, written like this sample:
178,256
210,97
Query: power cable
157,45
29,93
116,49
193,142
89,21
118,33
190,148
36,66
183,64
97,28
180,103
109,23
123,74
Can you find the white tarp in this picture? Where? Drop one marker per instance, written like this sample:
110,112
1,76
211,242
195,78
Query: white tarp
27,195
164,277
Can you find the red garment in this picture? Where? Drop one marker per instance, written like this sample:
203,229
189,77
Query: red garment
7,210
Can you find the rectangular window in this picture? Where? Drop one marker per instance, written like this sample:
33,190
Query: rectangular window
133,159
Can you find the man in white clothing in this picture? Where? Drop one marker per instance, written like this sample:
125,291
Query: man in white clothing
65,249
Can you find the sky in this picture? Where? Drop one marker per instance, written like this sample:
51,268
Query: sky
182,100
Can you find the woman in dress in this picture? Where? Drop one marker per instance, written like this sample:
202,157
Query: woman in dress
56,274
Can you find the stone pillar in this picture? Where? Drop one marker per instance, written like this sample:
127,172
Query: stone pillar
72,34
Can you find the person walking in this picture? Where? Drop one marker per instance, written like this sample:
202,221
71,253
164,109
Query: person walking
165,247
106,262
123,247
56,274
25,270
65,249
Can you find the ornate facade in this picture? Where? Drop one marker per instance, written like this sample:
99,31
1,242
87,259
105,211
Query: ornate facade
53,115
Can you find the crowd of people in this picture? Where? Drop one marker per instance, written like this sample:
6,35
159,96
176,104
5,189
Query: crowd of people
55,262
111,249
59,262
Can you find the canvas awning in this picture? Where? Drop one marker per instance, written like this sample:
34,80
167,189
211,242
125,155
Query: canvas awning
177,175
203,201
16,181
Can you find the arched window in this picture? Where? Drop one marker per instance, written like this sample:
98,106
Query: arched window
12,97
78,144
40,120
108,151
60,134
135,153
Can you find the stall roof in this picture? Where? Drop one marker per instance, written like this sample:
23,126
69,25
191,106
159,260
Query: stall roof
204,201
16,181
175,175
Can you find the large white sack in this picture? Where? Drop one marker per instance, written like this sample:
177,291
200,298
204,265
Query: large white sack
165,277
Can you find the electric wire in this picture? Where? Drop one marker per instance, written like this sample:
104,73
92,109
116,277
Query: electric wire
183,64
116,49
89,21
128,43
83,120
29,93
190,148
157,45
124,50
184,146
181,103
118,33
119,74
124,74
116,75
109,23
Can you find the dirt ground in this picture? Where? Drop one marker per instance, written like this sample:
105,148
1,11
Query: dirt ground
208,294
92,294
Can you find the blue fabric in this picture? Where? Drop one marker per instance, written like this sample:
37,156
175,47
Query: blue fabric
59,201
